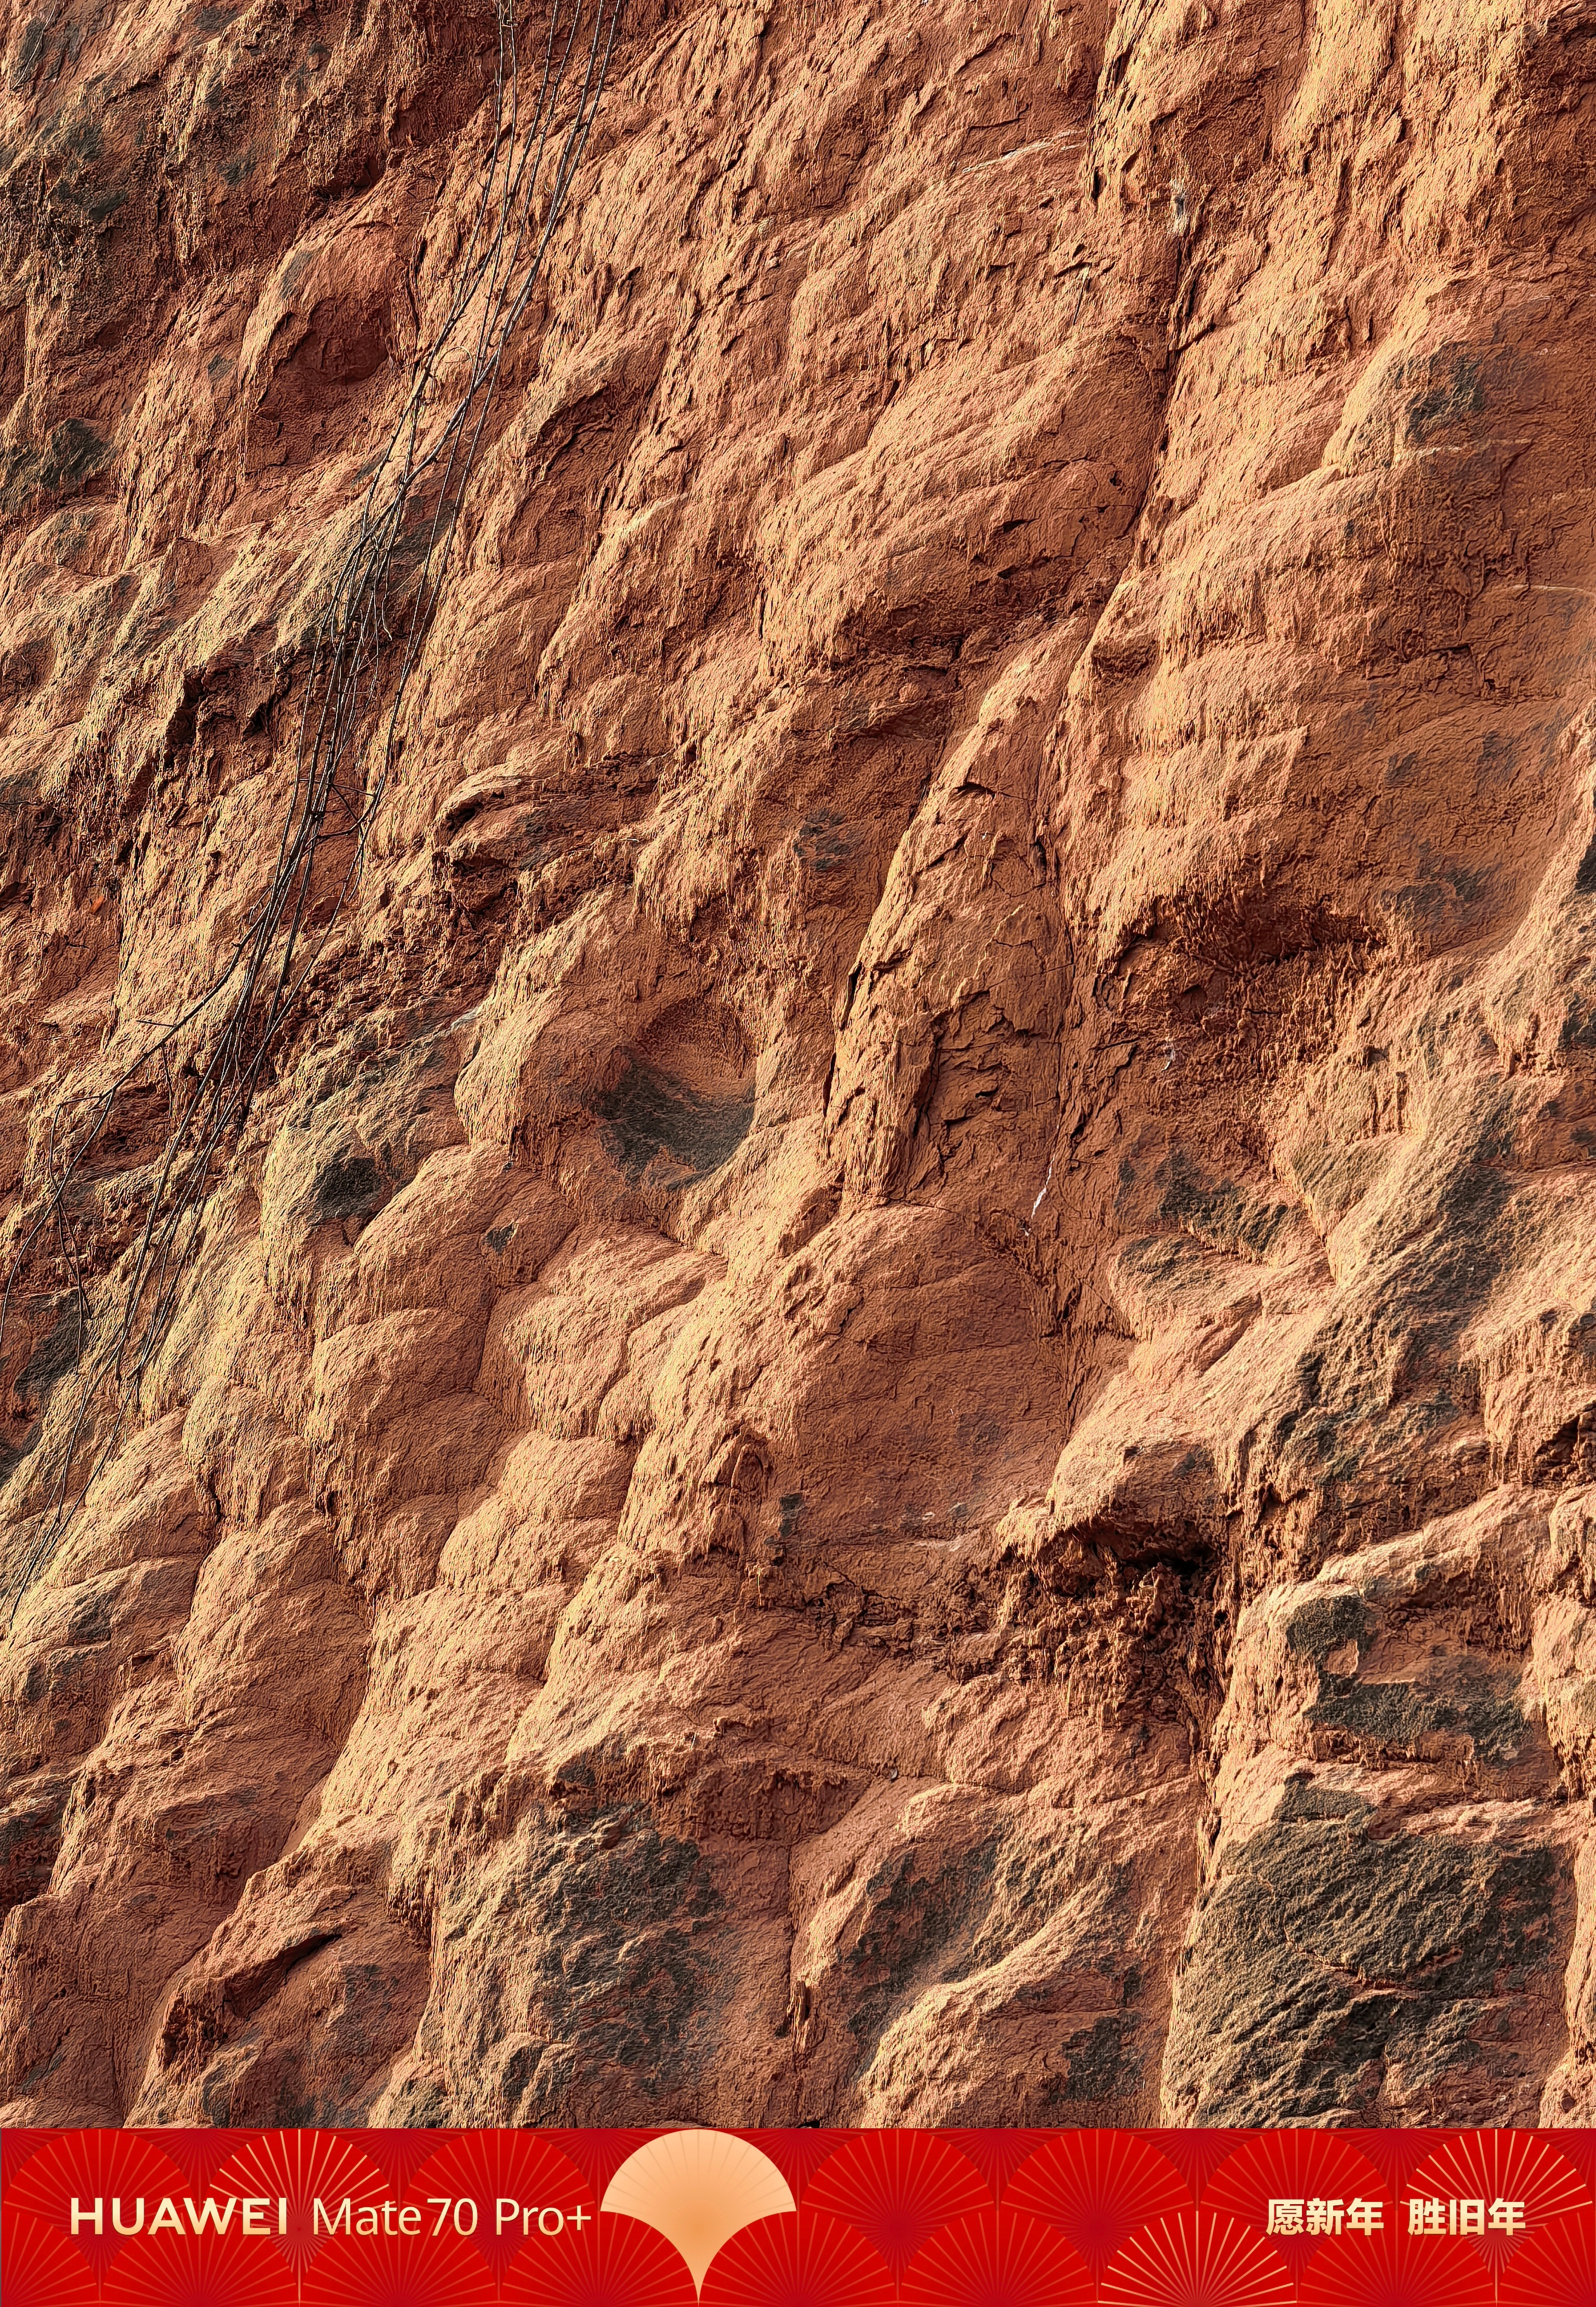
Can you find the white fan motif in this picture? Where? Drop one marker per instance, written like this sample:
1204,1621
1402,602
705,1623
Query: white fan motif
698,2189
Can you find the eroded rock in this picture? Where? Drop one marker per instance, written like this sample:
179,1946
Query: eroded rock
891,1415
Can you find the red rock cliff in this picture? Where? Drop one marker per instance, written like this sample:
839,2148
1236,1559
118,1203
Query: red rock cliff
890,1412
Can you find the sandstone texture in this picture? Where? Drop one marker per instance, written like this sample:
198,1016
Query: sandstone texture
890,1415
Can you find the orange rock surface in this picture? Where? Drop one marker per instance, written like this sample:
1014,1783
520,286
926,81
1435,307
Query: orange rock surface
890,1417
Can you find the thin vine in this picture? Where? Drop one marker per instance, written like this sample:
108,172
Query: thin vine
365,647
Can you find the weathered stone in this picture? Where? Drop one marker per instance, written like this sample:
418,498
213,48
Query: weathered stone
891,1413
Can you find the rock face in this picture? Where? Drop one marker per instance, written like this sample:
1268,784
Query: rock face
890,1415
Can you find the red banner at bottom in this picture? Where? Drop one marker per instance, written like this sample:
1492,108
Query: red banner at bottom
798,2218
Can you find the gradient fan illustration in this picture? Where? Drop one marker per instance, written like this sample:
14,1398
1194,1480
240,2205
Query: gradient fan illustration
882,2217
698,2189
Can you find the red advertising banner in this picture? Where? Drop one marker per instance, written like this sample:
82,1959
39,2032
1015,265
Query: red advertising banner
798,2218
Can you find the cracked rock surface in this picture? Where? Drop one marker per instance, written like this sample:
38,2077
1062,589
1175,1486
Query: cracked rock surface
890,1417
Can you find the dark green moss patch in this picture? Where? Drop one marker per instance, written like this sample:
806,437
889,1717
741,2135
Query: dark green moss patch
1102,2061
586,1974
1325,1622
1328,1958
919,1926
651,1118
73,454
1410,1719
349,1187
1220,1213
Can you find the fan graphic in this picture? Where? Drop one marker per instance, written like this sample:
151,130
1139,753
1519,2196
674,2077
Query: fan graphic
113,2167
1490,2166
1556,2268
198,2154
698,2189
881,2217
599,2153
396,2271
1396,2153
1292,2165
1098,2187
797,2155
209,2270
515,2177
785,2262
299,2167
1396,2270
398,2155
1579,2148
42,2269
997,2155
611,2262
897,2188
15,2148
1199,2259
997,2258
1196,2155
